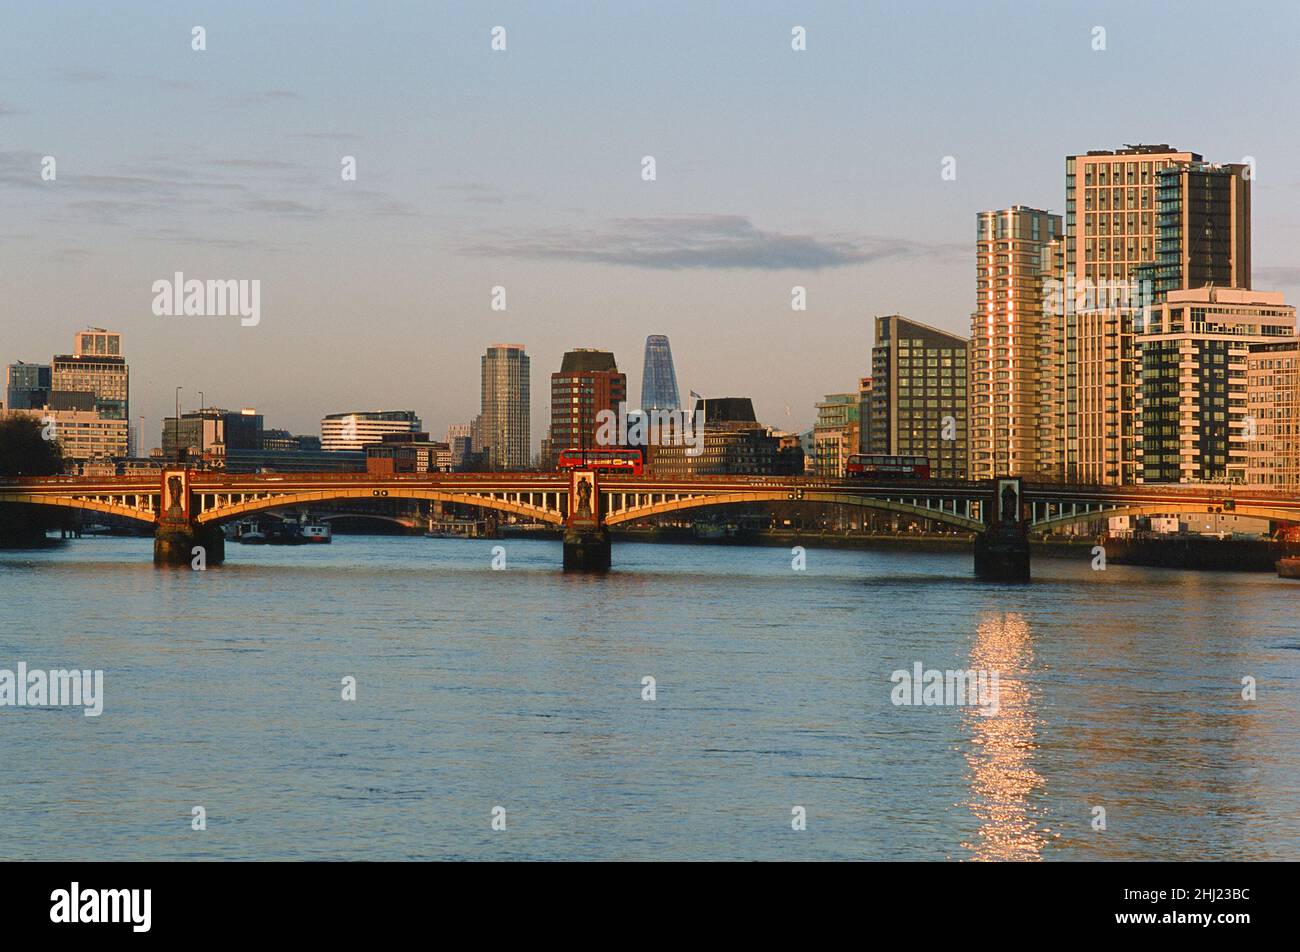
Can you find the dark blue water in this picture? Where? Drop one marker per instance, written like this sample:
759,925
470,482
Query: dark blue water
521,689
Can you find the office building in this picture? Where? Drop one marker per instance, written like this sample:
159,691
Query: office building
82,433
658,377
352,431
402,453
294,461
210,432
27,386
460,442
587,383
734,443
284,441
864,413
504,419
919,395
96,366
835,433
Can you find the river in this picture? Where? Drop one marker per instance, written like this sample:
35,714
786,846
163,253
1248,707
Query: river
522,689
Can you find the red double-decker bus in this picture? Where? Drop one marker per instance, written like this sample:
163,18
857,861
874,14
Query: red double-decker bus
875,466
603,460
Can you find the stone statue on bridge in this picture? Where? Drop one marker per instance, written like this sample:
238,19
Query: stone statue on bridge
174,488
1010,505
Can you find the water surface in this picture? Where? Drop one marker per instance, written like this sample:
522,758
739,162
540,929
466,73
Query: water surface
522,689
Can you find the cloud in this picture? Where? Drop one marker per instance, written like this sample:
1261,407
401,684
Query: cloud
99,77
76,74
260,165
283,206
709,242
262,96
325,136
476,193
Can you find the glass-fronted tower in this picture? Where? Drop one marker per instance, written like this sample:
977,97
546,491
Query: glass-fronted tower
504,428
658,379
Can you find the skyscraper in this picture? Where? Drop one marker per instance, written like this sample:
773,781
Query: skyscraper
1202,229
918,395
658,378
506,435
587,382
1013,252
1110,229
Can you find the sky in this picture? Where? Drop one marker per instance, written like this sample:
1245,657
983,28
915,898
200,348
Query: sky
522,169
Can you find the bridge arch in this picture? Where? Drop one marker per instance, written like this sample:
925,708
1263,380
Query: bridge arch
499,500
616,516
88,504
1166,509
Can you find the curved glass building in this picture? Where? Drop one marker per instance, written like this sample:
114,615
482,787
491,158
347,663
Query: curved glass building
658,379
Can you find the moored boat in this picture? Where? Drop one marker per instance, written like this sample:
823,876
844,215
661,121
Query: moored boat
317,532
250,533
1289,567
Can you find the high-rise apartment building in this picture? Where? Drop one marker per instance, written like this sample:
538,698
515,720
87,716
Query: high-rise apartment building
1194,418
1202,229
587,382
658,378
1273,415
504,418
352,431
1110,230
1052,424
864,413
1014,251
919,395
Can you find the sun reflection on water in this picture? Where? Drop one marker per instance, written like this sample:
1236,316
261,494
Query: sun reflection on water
1003,781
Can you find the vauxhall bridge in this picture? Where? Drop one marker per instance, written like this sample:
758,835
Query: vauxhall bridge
187,507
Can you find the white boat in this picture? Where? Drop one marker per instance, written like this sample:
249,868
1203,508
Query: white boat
317,532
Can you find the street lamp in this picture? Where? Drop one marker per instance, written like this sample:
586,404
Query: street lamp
203,427
176,424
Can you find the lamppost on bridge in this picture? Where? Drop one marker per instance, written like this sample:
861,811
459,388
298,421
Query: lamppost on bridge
176,425
203,426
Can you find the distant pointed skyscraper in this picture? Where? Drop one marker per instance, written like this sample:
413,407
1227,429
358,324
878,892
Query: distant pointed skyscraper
658,379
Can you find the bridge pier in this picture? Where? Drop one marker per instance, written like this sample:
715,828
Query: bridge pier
174,543
586,549
1002,549
1002,556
